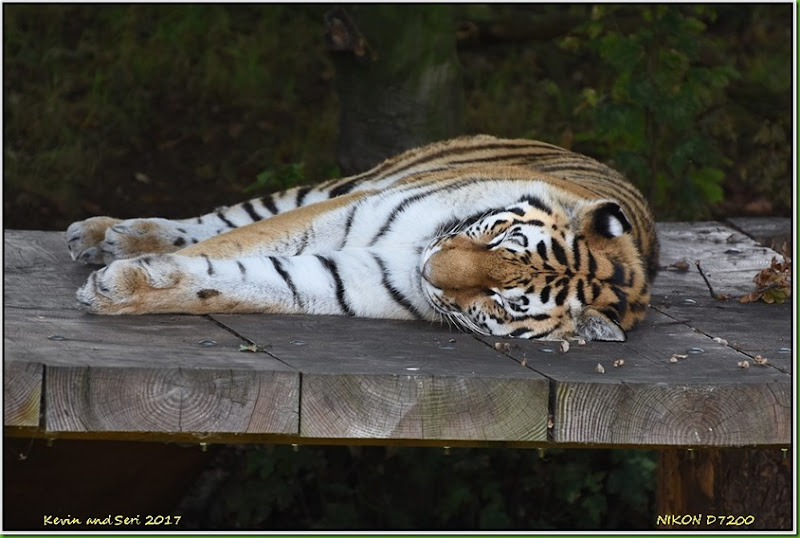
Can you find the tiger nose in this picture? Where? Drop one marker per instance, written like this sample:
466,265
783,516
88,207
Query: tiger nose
459,268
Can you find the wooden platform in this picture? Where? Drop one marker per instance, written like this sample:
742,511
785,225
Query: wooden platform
344,380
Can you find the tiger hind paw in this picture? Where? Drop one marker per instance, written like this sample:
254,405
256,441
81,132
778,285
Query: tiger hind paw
101,240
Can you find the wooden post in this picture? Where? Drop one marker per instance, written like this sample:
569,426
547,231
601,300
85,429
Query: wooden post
398,79
731,489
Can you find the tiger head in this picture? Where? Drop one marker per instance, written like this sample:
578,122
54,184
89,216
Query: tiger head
540,270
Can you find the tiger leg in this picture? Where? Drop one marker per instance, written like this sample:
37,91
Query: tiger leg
100,240
341,283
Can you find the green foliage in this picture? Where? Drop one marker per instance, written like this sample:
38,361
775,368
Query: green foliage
277,179
654,110
277,487
186,95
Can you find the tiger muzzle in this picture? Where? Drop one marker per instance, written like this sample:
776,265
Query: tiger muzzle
461,267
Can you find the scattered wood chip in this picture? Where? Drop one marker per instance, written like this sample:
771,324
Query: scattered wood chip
743,364
599,369
564,346
761,361
524,362
251,348
618,363
676,357
681,265
721,341
502,346
550,422
581,341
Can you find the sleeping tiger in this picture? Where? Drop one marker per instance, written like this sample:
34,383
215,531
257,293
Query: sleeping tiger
512,238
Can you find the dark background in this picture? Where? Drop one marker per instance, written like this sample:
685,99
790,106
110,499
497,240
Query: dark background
173,110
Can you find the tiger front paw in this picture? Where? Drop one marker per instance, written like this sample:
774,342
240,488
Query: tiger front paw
135,286
101,240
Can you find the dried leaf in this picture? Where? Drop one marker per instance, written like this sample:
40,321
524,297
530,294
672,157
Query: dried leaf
773,283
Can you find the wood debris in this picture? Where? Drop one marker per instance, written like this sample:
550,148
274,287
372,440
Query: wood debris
773,283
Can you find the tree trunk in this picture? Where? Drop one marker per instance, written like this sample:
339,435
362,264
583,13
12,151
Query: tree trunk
734,489
398,79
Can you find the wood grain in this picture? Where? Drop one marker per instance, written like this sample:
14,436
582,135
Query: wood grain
22,393
170,400
393,380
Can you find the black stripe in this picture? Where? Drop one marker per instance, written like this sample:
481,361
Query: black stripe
329,264
544,295
561,296
592,262
538,204
399,208
210,269
228,223
618,277
343,188
248,207
523,157
596,290
287,279
269,204
541,249
386,169
579,291
242,268
396,295
558,251
576,252
302,192
518,333
348,225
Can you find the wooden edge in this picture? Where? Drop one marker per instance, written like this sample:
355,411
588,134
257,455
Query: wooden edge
22,393
674,415
424,408
189,401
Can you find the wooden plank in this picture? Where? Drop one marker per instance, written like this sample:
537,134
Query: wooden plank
163,399
22,393
768,231
729,258
374,379
38,272
702,400
382,379
151,373
730,261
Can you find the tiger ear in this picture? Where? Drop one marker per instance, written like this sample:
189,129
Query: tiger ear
609,220
594,325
